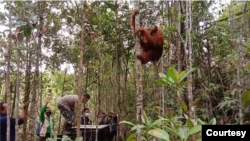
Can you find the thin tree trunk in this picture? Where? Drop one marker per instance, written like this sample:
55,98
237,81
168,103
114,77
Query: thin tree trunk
179,42
80,74
27,83
139,86
7,82
189,46
34,94
17,90
239,67
118,65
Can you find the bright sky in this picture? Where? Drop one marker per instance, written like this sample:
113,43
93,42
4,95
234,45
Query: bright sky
69,66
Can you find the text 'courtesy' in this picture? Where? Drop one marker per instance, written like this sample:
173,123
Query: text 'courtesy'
236,132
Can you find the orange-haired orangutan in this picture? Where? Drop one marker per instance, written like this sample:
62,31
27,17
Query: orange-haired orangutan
151,41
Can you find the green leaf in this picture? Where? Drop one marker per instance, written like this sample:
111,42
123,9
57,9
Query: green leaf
212,121
173,74
137,127
189,123
184,106
186,74
180,75
168,129
2,17
157,121
202,122
194,130
19,3
160,81
131,137
183,132
144,117
159,133
127,122
246,99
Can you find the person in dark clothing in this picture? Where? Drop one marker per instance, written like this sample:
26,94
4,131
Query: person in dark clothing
3,122
113,121
85,117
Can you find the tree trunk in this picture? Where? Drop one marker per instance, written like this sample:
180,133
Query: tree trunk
34,99
27,83
139,88
80,74
7,82
17,90
239,67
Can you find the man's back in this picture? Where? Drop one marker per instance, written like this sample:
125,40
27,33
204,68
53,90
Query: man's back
69,100
3,127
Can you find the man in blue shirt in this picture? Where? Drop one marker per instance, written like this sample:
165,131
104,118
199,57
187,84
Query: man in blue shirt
3,121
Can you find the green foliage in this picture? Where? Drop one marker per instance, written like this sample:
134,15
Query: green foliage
246,99
176,80
167,129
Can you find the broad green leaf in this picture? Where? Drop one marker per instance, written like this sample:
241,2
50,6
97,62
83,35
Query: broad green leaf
144,117
160,81
212,121
184,106
127,122
137,127
183,132
131,137
202,122
189,123
173,74
2,17
19,3
180,75
194,130
168,129
156,122
159,133
169,80
246,99
186,74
